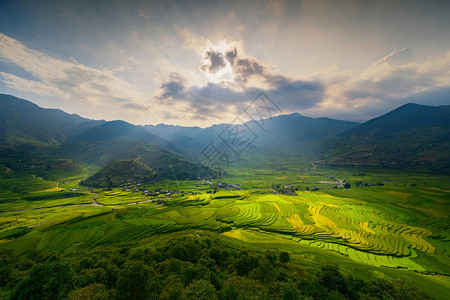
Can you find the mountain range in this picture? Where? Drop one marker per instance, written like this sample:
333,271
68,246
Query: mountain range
410,136
284,134
34,134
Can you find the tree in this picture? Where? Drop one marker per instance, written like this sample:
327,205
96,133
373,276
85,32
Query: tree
172,291
7,262
94,291
347,185
192,272
49,280
330,277
284,257
132,281
229,292
289,291
237,287
264,272
271,256
200,289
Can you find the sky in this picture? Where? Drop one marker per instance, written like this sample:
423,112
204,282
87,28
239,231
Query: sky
198,63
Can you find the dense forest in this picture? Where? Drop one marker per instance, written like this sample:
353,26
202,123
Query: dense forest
189,266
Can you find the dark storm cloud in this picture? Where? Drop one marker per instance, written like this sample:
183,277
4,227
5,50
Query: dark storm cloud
291,93
231,55
205,101
173,87
216,61
244,67
213,99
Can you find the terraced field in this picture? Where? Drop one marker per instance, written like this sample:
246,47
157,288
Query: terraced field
363,232
396,234
395,226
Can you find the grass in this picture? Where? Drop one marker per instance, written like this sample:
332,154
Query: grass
400,228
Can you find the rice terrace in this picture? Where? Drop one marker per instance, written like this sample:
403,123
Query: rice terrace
224,150
397,224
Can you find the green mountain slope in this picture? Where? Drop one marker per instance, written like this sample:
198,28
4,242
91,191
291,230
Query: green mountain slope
411,135
119,140
120,129
29,133
26,126
119,172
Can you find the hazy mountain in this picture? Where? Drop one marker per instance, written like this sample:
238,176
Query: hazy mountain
411,135
171,132
287,134
26,126
294,132
119,140
190,140
408,136
121,129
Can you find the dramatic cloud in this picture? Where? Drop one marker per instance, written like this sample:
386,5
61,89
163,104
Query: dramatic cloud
188,63
334,92
216,60
38,88
214,99
393,80
68,80
245,67
173,87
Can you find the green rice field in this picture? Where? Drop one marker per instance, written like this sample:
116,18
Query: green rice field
399,226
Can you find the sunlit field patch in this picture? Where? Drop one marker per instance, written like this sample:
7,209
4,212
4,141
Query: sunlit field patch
392,226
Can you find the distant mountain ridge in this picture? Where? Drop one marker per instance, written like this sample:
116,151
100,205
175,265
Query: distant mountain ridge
411,135
284,133
35,133
120,129
407,117
26,126
296,132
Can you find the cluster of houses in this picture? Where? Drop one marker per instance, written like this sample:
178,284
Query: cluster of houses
155,192
225,186
285,192
137,187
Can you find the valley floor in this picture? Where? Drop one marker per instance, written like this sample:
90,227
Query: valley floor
386,224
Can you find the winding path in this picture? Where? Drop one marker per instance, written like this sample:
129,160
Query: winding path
94,202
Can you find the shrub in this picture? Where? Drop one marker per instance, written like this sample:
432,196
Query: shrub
284,257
